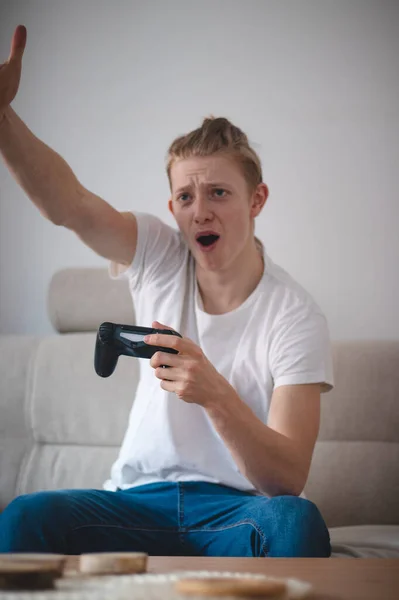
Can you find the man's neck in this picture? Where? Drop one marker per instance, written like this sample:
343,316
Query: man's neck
226,291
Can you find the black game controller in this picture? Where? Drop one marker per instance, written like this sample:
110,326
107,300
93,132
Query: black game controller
114,340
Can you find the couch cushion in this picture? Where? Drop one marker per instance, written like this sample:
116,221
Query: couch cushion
68,403
76,419
363,405
64,466
81,299
15,437
354,477
365,541
355,483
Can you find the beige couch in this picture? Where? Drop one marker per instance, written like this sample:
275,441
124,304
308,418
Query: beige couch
61,424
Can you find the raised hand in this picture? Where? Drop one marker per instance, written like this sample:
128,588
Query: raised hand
10,71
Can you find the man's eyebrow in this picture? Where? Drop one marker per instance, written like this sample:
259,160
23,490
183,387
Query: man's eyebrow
208,184
219,184
183,188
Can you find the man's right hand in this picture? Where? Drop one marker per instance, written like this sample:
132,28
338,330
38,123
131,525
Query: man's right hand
10,71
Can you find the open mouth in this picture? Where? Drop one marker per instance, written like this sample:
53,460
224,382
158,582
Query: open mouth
207,242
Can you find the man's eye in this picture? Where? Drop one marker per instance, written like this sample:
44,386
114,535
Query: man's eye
219,192
183,197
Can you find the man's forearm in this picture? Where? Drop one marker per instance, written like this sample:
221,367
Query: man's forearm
268,459
42,173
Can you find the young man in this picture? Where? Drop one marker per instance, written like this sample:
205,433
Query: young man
218,446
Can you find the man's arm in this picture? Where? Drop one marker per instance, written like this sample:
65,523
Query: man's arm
53,187
49,181
275,457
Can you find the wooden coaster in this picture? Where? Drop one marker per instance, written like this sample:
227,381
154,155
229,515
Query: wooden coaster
35,557
232,586
113,563
28,575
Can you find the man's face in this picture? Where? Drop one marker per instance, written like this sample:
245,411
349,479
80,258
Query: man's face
211,194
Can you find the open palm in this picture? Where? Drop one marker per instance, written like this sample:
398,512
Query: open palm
10,71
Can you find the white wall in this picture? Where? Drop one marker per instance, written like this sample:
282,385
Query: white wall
313,83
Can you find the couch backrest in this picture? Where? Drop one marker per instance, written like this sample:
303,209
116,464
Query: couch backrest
354,477
75,420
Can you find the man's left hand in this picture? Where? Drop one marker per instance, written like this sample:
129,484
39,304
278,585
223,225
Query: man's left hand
191,376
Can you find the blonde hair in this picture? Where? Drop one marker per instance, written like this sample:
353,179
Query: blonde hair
218,136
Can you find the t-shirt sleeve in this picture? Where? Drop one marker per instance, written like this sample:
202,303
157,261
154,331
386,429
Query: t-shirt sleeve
158,245
300,351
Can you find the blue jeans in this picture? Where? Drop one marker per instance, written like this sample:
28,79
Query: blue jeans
164,519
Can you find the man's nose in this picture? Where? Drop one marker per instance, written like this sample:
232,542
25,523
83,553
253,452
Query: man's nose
201,207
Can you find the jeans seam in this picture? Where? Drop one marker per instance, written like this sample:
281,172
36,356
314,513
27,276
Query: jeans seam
181,506
180,523
245,522
122,527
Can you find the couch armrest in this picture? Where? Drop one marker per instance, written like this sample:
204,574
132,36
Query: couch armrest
15,352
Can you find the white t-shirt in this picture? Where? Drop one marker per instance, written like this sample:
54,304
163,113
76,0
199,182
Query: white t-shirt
278,336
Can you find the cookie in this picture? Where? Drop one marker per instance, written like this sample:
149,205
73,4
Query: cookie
232,586
113,563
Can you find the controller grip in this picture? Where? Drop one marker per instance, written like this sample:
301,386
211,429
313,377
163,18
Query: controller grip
105,359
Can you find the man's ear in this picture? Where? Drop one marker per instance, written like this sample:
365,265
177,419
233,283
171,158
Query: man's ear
170,206
259,198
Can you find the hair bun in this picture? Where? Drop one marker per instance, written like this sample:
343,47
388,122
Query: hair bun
223,128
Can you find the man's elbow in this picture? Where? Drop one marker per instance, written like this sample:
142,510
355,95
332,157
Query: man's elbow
291,486
288,490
